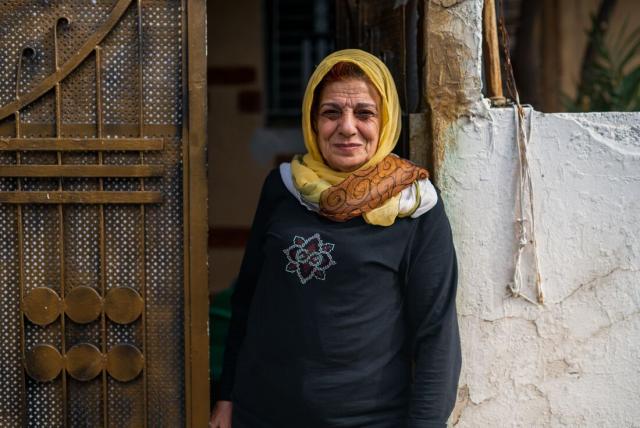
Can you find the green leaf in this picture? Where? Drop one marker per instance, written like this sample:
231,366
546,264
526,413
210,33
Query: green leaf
633,51
630,88
605,85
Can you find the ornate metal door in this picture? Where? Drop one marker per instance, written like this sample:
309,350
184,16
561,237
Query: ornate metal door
103,290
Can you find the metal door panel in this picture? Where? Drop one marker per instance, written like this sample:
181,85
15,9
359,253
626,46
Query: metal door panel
96,218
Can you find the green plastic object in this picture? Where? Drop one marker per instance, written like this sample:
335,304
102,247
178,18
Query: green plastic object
219,318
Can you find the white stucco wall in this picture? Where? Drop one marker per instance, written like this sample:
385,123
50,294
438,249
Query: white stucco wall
575,361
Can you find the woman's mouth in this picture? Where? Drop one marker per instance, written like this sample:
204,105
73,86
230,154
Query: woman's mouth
347,146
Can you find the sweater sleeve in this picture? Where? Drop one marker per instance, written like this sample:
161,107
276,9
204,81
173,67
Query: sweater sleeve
431,281
245,286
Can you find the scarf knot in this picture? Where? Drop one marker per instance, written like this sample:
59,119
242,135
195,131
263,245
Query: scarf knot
368,189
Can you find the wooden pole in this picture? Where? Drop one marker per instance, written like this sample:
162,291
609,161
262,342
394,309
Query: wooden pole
491,53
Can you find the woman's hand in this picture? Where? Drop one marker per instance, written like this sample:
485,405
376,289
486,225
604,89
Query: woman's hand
221,415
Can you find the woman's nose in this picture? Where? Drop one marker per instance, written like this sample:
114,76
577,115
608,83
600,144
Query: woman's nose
348,124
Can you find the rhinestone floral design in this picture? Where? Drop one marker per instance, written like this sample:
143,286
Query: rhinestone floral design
309,257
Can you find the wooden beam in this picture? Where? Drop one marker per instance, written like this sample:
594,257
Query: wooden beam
58,197
552,72
491,52
81,144
81,170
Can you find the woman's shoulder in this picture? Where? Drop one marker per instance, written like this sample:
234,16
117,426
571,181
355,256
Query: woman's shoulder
273,179
436,212
433,224
273,186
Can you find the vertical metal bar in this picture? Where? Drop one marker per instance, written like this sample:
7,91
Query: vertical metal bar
184,141
103,263
140,71
194,181
63,345
403,57
60,224
22,286
275,55
143,273
23,390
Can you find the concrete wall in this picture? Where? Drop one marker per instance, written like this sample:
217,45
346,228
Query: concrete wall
574,360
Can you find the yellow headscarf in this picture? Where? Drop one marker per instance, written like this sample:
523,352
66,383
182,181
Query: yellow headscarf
311,175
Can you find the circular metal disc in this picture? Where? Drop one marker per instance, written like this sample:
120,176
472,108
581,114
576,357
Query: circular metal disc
41,306
43,363
83,304
84,361
123,305
124,362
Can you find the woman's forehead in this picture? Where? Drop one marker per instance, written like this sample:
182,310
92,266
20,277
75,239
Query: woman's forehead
354,90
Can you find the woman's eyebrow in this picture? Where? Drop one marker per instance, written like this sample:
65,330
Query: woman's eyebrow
359,105
367,105
334,105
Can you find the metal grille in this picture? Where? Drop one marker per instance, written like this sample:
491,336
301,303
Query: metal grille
92,281
391,31
299,35
11,375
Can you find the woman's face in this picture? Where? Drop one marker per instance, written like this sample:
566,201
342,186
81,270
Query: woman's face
348,123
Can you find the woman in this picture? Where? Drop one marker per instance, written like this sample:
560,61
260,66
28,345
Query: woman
344,310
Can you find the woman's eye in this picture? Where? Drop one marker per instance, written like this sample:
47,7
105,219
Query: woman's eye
365,114
331,114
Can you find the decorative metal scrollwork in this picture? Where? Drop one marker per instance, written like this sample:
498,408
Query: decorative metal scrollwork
44,363
83,362
83,305
122,305
42,306
92,161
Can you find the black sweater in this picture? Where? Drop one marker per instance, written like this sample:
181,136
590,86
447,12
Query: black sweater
342,324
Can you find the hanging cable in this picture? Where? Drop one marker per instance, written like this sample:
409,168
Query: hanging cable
525,223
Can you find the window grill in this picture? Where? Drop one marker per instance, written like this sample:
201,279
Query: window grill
299,35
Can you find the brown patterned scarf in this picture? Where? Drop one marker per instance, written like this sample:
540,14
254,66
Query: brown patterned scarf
369,188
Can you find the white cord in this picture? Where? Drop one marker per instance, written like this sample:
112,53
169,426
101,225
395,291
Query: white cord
525,236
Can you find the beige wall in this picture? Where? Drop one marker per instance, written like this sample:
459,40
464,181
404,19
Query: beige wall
234,39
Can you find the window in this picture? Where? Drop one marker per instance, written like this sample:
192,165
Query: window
299,34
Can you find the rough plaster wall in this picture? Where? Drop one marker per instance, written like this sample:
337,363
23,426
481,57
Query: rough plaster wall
574,361
453,83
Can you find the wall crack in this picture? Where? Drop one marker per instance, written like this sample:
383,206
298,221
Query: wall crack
590,285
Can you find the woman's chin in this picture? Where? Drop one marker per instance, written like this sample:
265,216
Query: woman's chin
347,165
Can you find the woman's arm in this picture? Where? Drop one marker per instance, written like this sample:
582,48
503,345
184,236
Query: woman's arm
433,326
246,284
